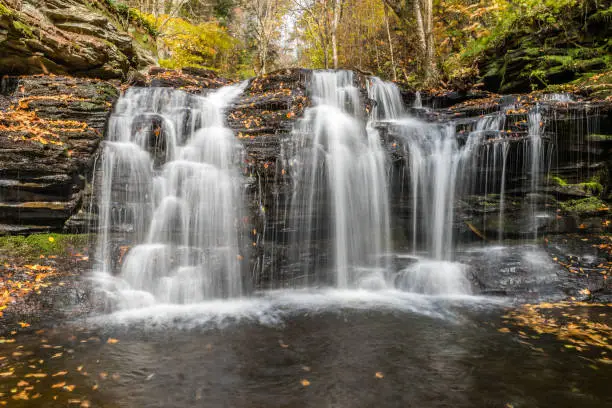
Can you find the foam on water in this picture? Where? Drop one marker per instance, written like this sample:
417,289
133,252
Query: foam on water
276,307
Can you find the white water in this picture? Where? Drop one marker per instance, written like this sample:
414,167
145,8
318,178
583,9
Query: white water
387,97
418,103
172,190
340,189
170,195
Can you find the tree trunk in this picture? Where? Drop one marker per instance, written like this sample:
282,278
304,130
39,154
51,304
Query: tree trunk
431,71
390,43
334,30
421,11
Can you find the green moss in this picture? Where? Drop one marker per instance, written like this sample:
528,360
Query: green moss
587,205
592,187
599,138
5,11
35,245
559,181
88,106
23,29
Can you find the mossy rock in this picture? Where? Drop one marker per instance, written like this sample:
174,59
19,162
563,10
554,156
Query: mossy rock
585,206
5,11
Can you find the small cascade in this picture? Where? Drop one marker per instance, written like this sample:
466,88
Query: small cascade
340,187
439,166
418,103
536,162
171,190
388,100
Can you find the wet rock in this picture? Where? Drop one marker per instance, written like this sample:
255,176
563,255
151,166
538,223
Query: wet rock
192,80
50,130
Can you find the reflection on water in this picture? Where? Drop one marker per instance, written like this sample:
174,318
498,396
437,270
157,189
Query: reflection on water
431,352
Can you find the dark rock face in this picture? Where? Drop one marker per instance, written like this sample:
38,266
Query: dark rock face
573,198
263,118
50,130
69,37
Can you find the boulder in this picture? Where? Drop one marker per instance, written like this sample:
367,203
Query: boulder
70,37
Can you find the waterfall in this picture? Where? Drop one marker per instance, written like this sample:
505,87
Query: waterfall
418,103
171,193
387,98
340,190
536,160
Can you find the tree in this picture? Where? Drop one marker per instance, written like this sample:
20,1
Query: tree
320,20
265,17
420,12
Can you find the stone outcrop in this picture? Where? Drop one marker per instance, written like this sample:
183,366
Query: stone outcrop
71,37
534,55
50,131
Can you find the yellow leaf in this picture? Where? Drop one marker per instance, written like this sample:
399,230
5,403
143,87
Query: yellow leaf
379,375
504,330
69,388
305,382
36,375
112,341
58,385
60,373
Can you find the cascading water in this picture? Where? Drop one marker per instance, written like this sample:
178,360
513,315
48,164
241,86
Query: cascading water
340,188
387,98
171,189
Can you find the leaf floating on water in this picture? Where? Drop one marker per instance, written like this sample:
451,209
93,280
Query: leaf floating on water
21,396
379,375
69,388
112,341
58,385
504,330
282,344
60,373
305,382
306,368
36,375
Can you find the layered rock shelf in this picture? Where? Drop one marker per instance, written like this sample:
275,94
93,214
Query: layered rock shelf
50,131
70,37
